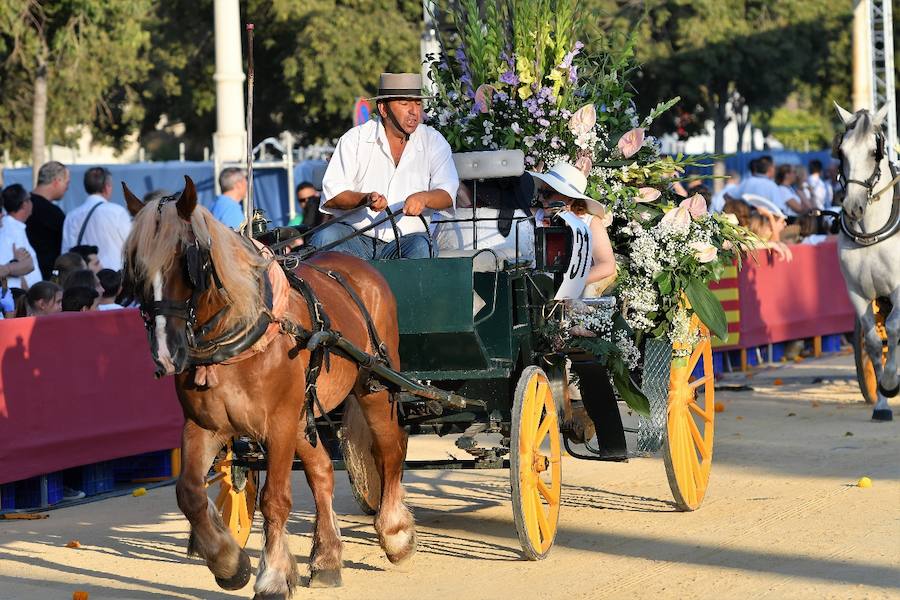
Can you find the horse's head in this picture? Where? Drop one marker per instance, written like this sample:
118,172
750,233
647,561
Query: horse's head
163,272
860,149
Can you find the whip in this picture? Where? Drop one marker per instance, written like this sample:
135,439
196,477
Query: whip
248,203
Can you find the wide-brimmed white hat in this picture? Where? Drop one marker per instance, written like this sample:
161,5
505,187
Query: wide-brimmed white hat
400,85
569,181
757,201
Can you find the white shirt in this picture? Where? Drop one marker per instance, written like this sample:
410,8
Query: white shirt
362,162
817,190
109,306
786,193
107,229
12,232
759,185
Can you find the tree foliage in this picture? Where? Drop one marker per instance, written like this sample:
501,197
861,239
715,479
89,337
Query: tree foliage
709,51
313,59
92,52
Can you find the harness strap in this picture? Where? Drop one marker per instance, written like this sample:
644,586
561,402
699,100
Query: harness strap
319,355
377,344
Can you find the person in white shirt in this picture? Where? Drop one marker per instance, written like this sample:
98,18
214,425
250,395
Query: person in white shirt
791,201
98,221
396,165
18,205
760,183
818,189
717,204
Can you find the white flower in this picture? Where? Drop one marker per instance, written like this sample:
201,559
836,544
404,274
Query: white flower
678,219
517,129
703,251
583,120
529,141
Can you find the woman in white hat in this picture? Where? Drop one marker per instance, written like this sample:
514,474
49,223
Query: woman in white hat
566,183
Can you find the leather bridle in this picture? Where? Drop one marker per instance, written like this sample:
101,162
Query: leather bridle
893,223
200,275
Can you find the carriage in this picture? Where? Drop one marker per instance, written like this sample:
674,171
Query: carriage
469,329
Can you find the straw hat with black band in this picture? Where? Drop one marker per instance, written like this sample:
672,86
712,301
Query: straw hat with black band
399,86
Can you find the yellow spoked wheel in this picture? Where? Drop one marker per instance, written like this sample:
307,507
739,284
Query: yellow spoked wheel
535,469
865,370
236,501
688,445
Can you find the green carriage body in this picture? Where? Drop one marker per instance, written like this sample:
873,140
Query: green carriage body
477,354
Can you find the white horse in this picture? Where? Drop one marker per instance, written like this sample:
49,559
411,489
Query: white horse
869,247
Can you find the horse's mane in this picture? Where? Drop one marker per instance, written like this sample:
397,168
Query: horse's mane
153,248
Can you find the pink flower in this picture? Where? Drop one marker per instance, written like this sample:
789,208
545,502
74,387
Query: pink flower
696,205
631,142
483,97
703,252
583,120
679,218
648,194
584,165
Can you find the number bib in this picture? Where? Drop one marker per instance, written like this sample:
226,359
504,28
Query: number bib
575,276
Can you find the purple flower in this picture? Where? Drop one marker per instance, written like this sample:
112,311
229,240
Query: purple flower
543,122
603,108
567,60
573,74
509,78
506,56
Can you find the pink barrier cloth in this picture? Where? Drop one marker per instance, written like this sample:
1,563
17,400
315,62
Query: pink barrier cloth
782,301
79,389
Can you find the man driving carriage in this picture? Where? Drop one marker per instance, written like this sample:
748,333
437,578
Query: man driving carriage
397,166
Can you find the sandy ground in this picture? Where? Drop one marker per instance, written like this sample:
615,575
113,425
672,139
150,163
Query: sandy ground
781,520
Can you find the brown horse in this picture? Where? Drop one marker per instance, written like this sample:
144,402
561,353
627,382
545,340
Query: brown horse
203,290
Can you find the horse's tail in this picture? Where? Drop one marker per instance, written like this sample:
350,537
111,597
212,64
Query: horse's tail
359,459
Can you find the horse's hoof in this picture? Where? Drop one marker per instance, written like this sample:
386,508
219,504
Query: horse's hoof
240,577
326,578
882,414
888,393
401,558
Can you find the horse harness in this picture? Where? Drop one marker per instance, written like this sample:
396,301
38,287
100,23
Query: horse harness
893,223
321,346
206,352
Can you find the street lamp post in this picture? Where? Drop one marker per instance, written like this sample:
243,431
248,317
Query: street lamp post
229,139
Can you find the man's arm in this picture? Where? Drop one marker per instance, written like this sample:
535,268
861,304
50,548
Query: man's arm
795,205
435,200
347,200
443,180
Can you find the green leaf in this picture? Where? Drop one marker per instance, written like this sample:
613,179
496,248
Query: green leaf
664,281
708,308
631,393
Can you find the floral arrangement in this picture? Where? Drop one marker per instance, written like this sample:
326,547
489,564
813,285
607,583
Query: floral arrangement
516,76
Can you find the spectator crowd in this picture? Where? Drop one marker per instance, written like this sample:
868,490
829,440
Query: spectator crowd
781,204
52,261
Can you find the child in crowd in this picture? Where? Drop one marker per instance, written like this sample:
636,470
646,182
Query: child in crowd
79,299
43,298
65,265
111,282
